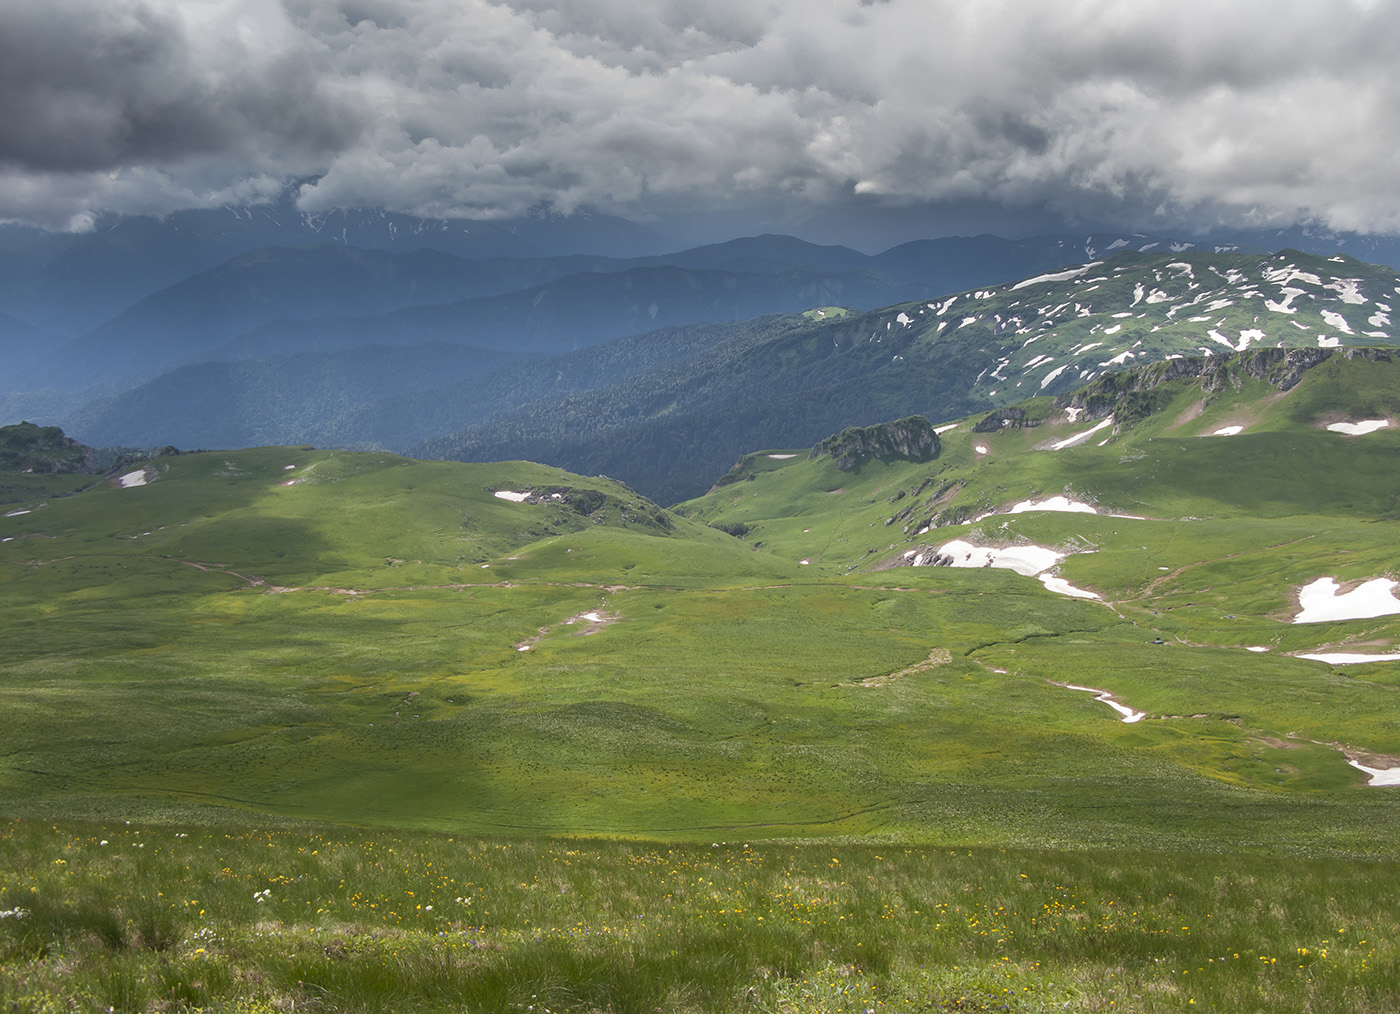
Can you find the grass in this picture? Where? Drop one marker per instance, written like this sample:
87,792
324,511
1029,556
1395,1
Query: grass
891,798
136,917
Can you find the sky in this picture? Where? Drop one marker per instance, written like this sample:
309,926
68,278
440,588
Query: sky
734,116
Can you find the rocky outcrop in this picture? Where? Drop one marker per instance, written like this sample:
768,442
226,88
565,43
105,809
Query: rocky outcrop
912,439
1132,393
1011,417
26,447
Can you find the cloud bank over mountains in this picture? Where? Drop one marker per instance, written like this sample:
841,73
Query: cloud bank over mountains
1182,114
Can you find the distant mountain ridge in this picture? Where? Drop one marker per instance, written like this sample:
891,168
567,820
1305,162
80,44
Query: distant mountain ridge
799,379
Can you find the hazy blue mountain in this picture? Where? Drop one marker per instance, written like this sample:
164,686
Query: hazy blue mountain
70,283
278,400
584,309
798,378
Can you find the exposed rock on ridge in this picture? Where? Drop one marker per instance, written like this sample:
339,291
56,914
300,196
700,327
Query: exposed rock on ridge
912,438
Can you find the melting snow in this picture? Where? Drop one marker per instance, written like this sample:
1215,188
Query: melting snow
1357,429
1320,602
1349,289
1379,776
944,429
1056,503
1049,377
980,448
1337,321
130,479
1057,276
1228,431
1060,445
511,495
1025,560
1287,305
1063,587
1114,329
1129,715
1349,658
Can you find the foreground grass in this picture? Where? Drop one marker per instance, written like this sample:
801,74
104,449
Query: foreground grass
131,918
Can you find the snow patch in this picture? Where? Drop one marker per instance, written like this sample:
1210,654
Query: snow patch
1129,715
1063,587
1337,321
1357,429
940,430
511,495
1379,776
1228,431
980,448
1057,276
130,479
1062,504
1320,601
1025,560
1060,445
781,457
1049,377
1349,290
1349,658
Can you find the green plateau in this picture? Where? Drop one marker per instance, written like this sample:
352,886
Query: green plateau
786,746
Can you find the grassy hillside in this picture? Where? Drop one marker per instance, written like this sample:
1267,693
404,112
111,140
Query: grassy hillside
340,731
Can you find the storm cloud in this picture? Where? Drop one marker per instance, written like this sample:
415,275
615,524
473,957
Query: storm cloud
1153,114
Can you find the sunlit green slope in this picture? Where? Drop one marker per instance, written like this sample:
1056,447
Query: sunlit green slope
358,637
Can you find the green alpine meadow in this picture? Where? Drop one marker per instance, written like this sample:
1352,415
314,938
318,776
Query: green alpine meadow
1082,703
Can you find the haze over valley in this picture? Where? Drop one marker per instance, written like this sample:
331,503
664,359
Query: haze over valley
628,507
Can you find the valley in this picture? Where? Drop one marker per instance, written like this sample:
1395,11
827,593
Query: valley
973,687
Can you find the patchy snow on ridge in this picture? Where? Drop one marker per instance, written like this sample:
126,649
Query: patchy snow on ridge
1060,445
1320,601
1057,276
1357,429
1336,320
1055,503
1349,290
1063,587
1025,560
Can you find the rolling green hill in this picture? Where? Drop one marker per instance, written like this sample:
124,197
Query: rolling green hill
252,626
355,732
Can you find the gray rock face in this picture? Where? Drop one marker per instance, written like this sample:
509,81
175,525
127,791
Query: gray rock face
912,438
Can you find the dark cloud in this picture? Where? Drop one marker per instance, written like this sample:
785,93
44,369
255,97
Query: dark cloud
1157,114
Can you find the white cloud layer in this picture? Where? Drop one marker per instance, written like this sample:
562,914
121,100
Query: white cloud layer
1158,114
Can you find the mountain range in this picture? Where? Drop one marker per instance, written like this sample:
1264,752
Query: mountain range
481,340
